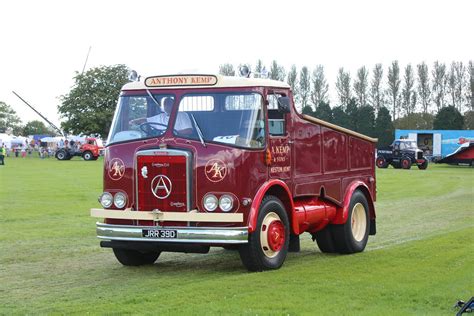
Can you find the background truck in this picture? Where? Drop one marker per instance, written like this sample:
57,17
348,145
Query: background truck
199,161
402,153
90,150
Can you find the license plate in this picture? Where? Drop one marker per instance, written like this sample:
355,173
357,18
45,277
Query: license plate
159,233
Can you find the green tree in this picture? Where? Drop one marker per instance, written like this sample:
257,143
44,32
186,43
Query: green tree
376,91
343,87
393,90
304,86
352,112
292,81
324,112
36,128
440,81
361,84
9,119
340,117
366,120
89,107
408,92
320,87
415,121
383,128
424,89
308,110
448,118
469,120
227,70
277,72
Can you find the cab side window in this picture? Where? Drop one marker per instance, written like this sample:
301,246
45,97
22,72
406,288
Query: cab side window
276,119
396,146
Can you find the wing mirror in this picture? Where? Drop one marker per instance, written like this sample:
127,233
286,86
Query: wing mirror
284,104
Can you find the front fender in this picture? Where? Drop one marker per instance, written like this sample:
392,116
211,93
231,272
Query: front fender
269,186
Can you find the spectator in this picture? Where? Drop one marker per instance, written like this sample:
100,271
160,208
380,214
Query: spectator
3,153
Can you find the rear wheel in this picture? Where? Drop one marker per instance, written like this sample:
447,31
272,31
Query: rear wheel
406,163
129,257
352,236
268,244
87,155
381,162
325,240
62,155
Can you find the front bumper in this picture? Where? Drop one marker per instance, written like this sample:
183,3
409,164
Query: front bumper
185,234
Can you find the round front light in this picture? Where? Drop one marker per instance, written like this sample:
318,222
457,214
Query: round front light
120,200
226,202
210,202
106,200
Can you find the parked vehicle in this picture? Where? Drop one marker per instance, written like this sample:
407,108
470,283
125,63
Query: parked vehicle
402,153
90,150
200,161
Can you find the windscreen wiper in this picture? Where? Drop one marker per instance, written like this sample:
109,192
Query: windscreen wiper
153,97
198,129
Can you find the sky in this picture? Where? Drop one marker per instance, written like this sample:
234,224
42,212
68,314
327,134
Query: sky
44,43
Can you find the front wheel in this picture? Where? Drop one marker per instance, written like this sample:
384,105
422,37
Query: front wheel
268,244
129,257
352,236
423,165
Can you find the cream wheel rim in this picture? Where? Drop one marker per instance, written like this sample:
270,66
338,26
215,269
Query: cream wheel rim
272,235
359,222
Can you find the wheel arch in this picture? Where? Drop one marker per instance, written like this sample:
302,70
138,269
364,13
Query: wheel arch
278,189
342,212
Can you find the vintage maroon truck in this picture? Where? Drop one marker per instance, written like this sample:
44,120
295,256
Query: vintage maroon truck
200,161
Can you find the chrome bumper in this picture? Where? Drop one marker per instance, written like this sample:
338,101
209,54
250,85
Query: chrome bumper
185,234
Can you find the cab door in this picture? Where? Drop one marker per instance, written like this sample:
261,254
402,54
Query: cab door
279,144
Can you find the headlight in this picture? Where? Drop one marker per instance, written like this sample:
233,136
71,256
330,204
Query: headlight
210,202
120,200
106,200
226,202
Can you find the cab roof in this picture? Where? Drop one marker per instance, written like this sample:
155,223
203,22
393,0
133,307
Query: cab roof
189,81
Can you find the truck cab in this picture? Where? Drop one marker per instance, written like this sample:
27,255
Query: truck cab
200,161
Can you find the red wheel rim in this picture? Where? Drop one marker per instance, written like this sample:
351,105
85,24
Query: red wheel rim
379,162
276,235
405,163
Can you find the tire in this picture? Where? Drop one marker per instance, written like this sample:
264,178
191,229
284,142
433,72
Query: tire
325,240
423,165
87,155
406,163
268,244
129,257
62,155
381,162
352,236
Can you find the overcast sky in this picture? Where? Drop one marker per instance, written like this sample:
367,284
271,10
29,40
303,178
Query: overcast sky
43,43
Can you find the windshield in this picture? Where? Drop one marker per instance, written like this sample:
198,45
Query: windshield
408,145
141,116
235,119
229,118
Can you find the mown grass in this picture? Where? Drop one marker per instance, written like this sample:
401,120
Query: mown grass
420,261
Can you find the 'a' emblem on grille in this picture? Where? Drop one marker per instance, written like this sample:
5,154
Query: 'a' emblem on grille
161,186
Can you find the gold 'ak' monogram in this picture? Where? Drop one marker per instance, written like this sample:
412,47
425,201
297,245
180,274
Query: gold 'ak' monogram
216,170
117,169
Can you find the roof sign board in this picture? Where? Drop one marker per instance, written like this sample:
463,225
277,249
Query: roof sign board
181,80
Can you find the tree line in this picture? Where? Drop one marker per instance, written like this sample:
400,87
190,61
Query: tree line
377,101
374,103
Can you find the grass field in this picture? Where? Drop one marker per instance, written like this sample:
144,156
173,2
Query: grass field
420,262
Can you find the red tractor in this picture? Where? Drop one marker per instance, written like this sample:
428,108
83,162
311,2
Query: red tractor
90,150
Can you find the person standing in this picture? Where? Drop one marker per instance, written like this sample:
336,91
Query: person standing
3,152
